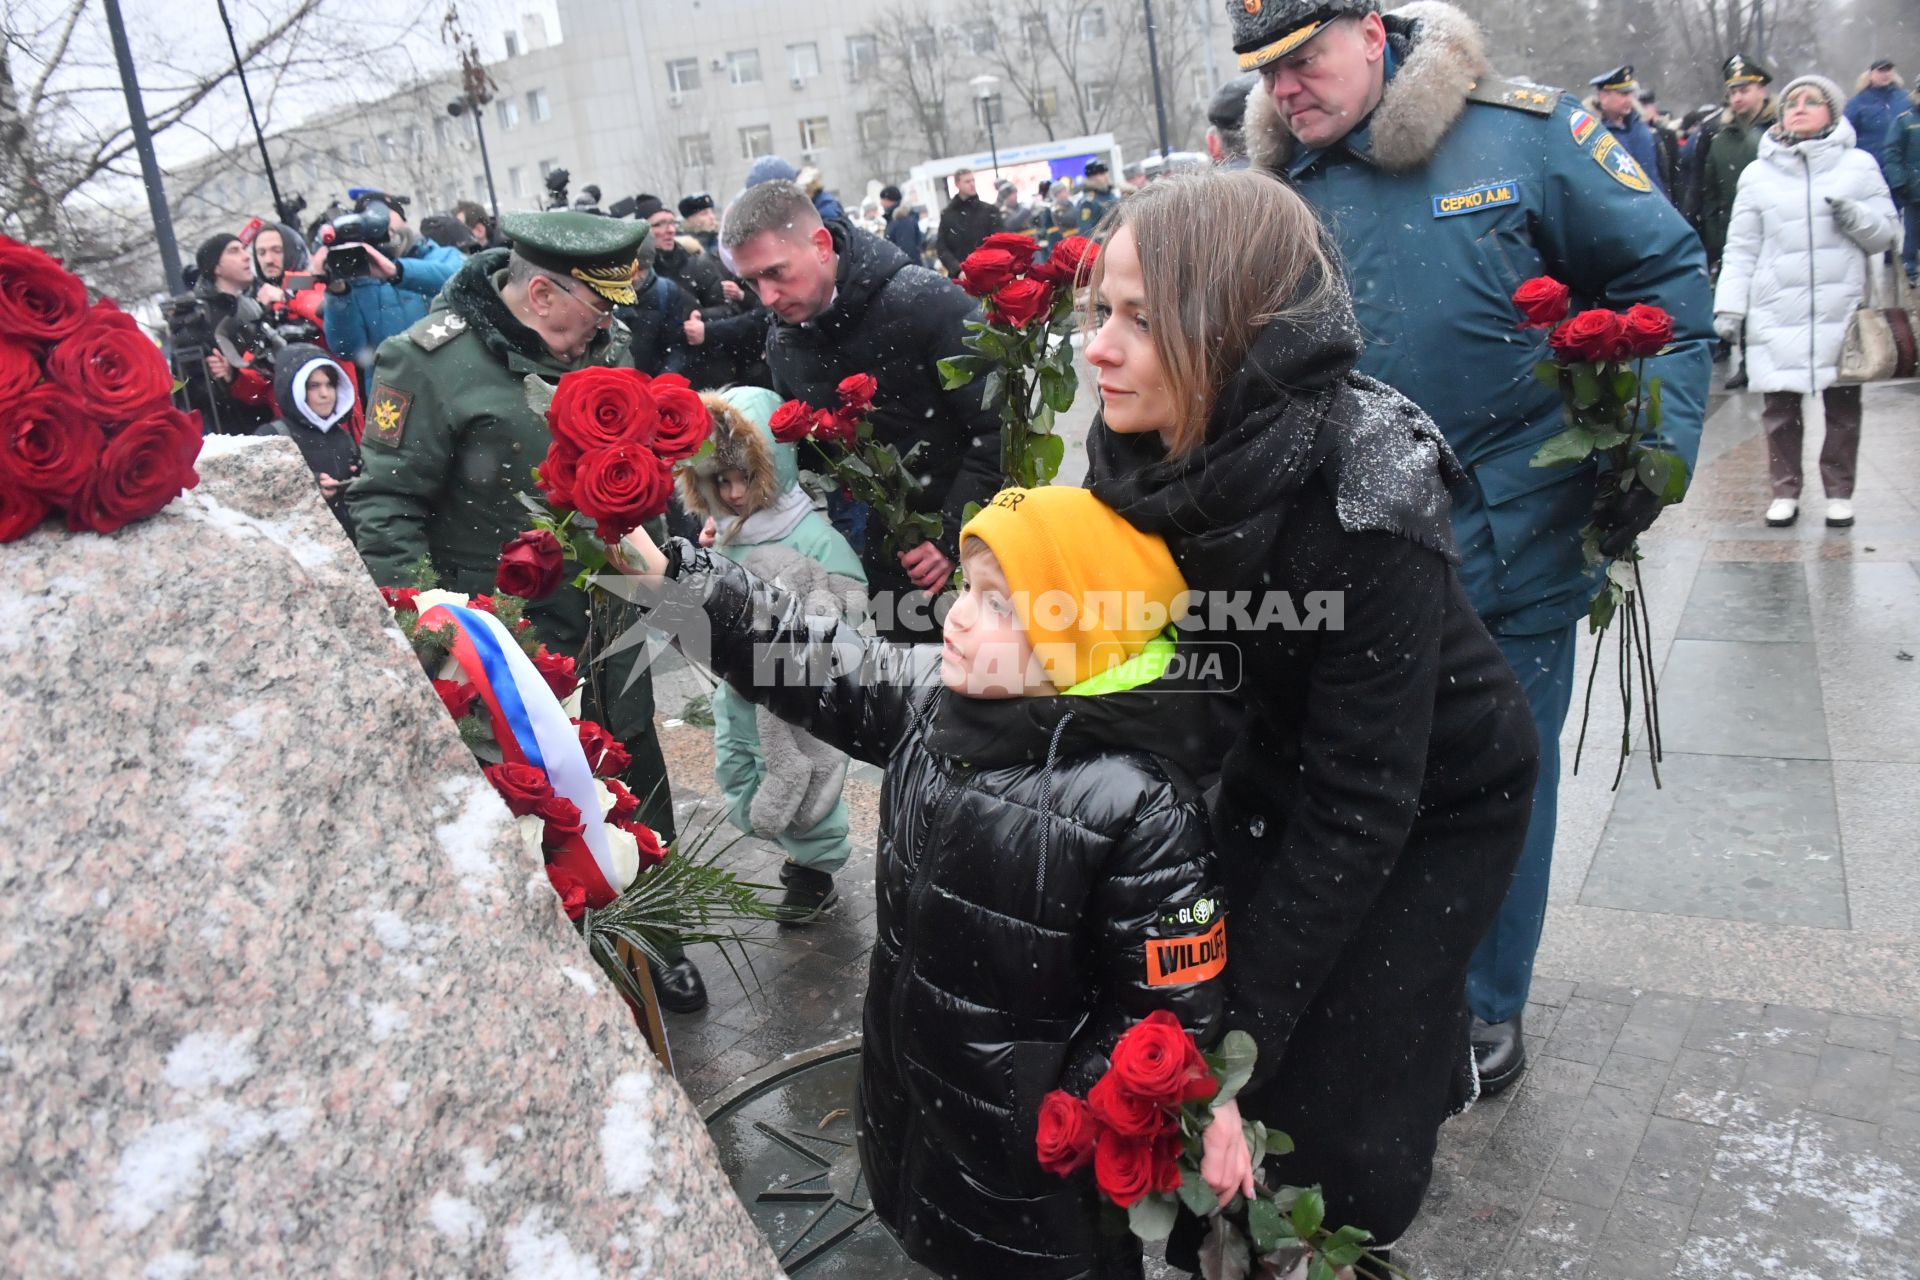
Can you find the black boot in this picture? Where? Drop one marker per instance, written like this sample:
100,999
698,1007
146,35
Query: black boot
1499,1053
809,895
678,986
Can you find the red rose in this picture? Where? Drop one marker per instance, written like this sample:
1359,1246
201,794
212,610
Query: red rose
401,599
620,486
523,786
1070,263
1066,1135
482,603
605,755
1020,248
19,369
1124,1113
625,803
561,824
573,894
1156,1061
555,475
457,695
652,852
1591,335
39,300
50,443
20,512
836,426
111,365
1021,303
791,422
144,467
1542,302
530,565
597,407
684,420
1123,1168
857,392
557,670
1645,330
985,270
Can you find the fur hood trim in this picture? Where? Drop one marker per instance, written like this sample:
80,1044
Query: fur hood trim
736,444
1441,54
690,244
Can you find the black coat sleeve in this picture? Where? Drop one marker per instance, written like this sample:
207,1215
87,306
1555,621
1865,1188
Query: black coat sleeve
1364,726
817,672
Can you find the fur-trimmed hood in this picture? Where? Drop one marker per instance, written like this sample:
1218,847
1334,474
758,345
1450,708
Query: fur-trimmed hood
1440,53
741,440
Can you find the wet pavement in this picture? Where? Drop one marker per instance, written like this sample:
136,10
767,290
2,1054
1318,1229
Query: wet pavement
1726,1017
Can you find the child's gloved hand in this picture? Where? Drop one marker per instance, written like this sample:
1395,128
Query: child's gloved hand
1225,1161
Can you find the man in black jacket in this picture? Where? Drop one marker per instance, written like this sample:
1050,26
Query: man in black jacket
846,302
231,398
964,223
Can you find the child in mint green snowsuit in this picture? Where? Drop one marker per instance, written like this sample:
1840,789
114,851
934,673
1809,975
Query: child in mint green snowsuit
778,781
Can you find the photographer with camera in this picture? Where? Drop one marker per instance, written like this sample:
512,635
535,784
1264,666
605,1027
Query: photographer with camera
231,397
284,283
380,275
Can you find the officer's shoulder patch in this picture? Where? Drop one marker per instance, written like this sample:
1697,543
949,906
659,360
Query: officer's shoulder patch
437,330
1619,164
387,415
1520,95
1581,125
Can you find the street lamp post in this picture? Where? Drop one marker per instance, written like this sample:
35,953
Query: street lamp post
455,108
983,87
143,146
1153,61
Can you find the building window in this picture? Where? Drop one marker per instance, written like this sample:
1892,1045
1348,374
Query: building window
538,108
863,57
480,188
310,165
1093,24
814,134
416,140
517,181
357,152
450,195
696,151
989,110
803,61
873,127
980,36
756,141
923,43
1046,103
1099,93
509,110
743,66
1202,85
683,75
547,167
1033,29
443,132
513,44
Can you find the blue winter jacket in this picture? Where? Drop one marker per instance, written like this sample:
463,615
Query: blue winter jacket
371,311
1872,112
1441,205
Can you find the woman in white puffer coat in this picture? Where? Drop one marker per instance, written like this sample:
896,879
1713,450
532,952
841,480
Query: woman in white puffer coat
1809,217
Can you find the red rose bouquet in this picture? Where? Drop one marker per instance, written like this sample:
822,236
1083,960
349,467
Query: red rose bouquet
1598,365
87,429
867,468
1024,346
616,435
1140,1127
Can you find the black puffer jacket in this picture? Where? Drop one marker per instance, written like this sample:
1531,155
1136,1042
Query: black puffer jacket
1030,853
895,321
699,275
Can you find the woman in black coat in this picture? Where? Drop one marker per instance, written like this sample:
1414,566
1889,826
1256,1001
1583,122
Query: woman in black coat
1370,813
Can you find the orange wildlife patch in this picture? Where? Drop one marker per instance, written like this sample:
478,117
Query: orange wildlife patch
1176,962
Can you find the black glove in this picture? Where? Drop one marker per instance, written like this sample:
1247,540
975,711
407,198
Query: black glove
1622,517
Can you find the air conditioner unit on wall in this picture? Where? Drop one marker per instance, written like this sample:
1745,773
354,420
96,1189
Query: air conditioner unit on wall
674,100
718,64
799,83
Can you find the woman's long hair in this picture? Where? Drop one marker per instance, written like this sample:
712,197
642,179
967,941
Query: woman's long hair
1224,254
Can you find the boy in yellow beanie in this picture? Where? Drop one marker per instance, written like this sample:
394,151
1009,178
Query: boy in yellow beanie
1045,872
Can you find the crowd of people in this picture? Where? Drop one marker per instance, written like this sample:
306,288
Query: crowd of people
1373,808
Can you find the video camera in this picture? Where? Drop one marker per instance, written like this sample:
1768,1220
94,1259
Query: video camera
346,237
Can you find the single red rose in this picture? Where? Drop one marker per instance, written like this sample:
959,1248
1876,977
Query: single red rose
1166,1162
652,852
19,368
605,756
836,426
791,422
1645,330
555,475
557,811
50,443
1542,302
523,786
1591,335
1066,1135
857,392
684,419
597,407
20,512
401,599
1020,248
1125,1114
1156,1061
573,894
483,603
557,670
1123,1168
625,803
1021,303
985,270
457,695
144,467
1070,263
110,365
530,566
619,487
40,300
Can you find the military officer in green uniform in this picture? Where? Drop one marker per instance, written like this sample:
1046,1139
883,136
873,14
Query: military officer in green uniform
451,442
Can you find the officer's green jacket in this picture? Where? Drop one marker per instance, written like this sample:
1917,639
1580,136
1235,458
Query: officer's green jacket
1734,146
1441,204
1900,157
451,442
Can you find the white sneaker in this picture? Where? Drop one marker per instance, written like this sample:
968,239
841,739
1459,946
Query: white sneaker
1783,512
1839,513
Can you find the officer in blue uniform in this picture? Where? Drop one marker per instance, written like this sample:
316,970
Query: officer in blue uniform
1617,94
1096,196
1446,186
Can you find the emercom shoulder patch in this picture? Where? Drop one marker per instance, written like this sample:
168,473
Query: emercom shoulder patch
387,415
1620,165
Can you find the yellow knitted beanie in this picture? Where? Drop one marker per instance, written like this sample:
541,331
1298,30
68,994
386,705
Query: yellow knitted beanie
1090,589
